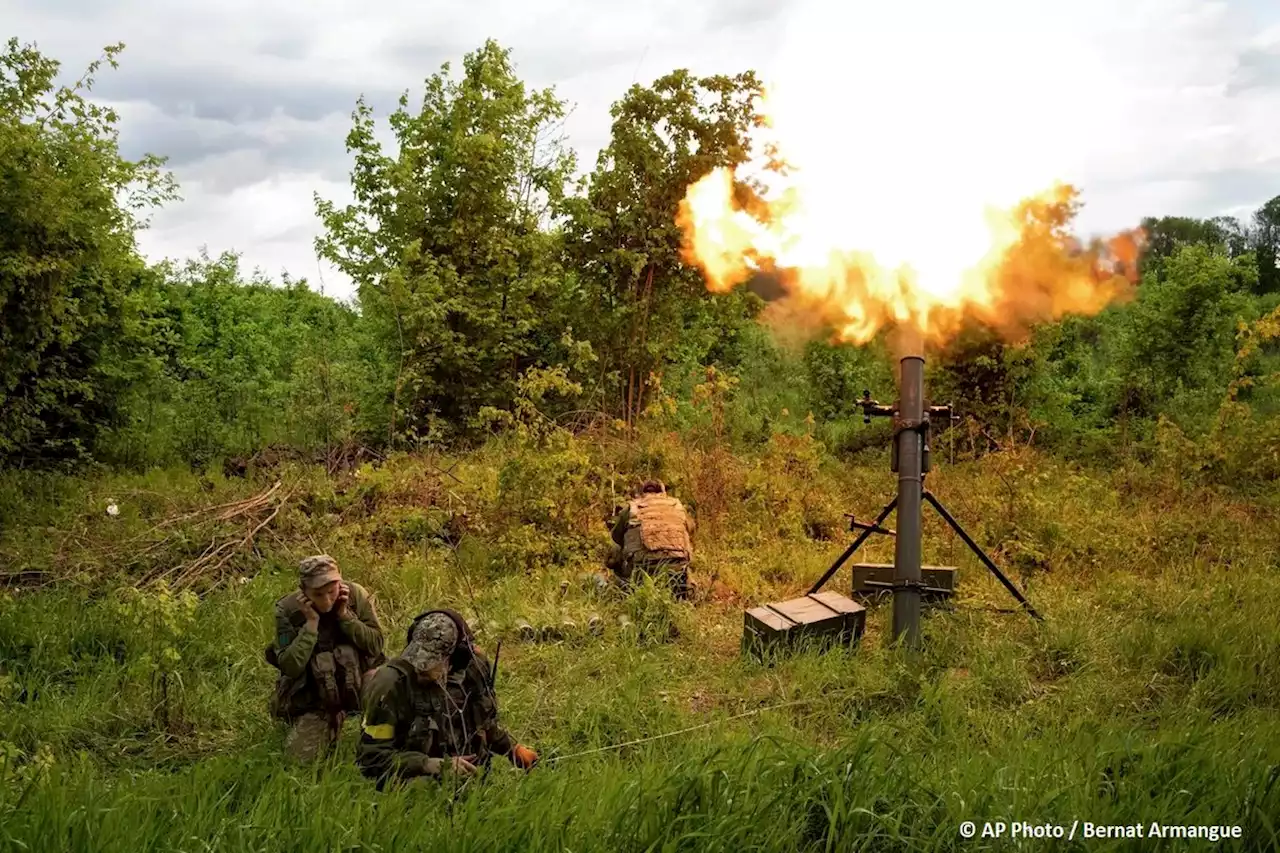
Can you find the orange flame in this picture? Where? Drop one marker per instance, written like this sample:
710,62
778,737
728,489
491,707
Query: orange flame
1005,267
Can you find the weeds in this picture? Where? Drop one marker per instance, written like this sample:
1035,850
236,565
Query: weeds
135,719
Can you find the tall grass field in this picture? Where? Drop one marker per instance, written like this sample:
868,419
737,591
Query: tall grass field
134,690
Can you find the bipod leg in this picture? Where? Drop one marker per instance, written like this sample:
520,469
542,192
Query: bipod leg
857,543
986,561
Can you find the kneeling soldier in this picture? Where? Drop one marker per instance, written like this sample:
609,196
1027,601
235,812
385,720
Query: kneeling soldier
328,643
434,707
654,536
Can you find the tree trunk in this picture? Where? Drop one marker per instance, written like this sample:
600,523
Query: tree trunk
642,355
631,380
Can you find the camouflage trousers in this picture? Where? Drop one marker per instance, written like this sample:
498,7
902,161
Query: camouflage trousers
312,737
674,572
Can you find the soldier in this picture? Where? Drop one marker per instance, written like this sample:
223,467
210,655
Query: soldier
654,535
328,643
434,709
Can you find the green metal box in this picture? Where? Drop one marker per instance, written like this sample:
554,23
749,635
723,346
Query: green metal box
872,580
826,618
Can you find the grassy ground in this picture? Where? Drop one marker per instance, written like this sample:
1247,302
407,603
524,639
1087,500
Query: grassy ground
136,720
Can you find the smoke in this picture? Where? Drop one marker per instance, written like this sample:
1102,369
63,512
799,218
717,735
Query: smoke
793,325
767,284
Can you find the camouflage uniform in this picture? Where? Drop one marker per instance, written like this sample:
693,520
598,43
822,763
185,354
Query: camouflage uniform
654,536
322,672
413,725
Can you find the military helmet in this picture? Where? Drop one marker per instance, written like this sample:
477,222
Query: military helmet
438,635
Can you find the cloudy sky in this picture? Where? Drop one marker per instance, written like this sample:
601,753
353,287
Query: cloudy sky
1150,106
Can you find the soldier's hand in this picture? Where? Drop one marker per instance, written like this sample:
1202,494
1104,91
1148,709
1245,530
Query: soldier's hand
309,611
340,604
462,765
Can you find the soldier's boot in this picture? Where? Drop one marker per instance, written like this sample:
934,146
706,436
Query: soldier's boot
617,563
680,586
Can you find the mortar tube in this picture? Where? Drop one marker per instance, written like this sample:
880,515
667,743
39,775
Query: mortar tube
907,544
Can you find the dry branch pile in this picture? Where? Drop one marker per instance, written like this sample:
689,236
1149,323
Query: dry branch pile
231,528
195,549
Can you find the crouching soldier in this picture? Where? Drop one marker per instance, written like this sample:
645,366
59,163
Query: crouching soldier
433,710
328,643
654,536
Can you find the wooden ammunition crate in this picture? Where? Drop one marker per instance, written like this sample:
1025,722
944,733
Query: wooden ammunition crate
828,618
938,577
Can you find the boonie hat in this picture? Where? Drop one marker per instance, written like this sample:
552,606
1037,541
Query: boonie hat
316,571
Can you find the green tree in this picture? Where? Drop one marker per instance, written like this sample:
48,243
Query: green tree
1074,392
70,205
837,374
1266,241
638,299
239,364
1166,234
448,240
989,382
1179,336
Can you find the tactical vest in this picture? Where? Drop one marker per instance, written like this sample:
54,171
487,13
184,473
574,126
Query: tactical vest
332,680
656,530
449,720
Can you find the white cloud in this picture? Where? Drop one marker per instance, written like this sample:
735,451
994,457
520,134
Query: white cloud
253,100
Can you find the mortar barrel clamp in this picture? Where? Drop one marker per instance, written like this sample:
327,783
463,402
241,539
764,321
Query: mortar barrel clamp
920,586
901,425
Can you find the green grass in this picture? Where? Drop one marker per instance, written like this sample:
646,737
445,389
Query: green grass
1150,694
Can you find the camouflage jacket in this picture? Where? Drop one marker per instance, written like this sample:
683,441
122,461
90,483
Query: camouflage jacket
295,646
407,722
655,527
